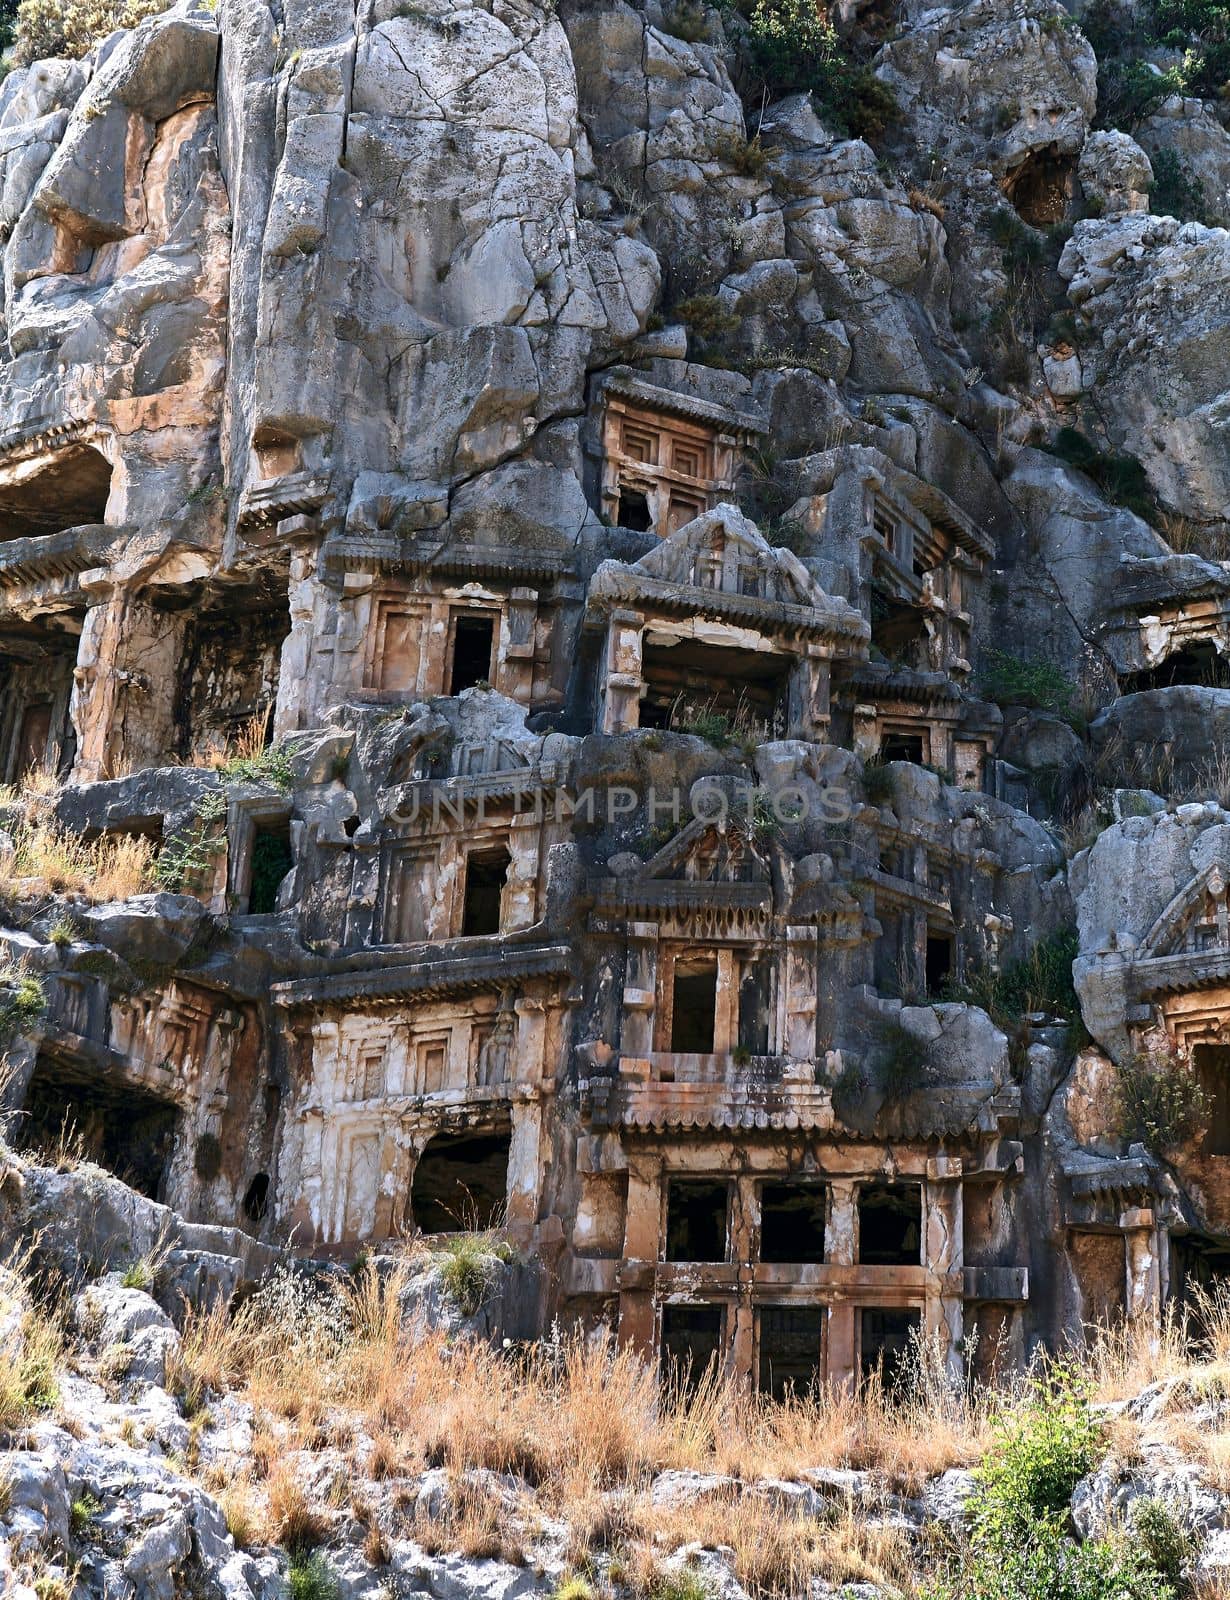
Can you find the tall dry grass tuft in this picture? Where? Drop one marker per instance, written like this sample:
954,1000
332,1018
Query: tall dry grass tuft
49,858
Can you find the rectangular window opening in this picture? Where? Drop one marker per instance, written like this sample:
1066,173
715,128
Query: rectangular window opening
695,1007
939,962
792,1223
473,638
634,512
791,1347
696,1212
890,1224
755,1004
691,1341
486,875
886,1339
902,747
271,860
1212,1064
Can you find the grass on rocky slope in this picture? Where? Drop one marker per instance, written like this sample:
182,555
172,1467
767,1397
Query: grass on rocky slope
587,1429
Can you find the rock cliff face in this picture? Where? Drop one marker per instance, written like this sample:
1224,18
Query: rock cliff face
631,644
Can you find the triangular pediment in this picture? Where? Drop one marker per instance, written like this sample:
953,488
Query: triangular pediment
725,552
703,851
1197,920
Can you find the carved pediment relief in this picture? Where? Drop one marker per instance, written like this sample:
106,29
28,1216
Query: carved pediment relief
712,852
724,552
1196,921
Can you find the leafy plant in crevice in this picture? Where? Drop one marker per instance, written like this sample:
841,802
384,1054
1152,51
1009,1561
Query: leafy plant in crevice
311,1577
794,48
467,1263
1015,681
1121,478
188,856
272,766
1159,1102
1176,192
23,1000
903,1061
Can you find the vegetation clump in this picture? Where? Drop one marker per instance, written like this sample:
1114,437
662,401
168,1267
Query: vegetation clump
73,27
1013,681
468,1263
1121,478
795,48
1160,1103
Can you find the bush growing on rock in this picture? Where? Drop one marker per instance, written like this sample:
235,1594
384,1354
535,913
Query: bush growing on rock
795,48
72,27
1160,1103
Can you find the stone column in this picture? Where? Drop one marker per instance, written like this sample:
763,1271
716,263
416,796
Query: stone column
944,1257
524,1163
642,1245
623,681
1142,1262
745,1251
640,995
840,1250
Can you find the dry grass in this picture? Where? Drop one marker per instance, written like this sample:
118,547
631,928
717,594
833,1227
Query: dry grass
586,1426
49,858
248,744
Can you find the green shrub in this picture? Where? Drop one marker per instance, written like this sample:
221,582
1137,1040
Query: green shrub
678,1583
877,782
903,1062
72,27
467,1267
1165,1544
795,49
1015,681
270,766
1121,478
82,1512
1020,1546
138,1274
1039,982
312,1578
1042,1449
1159,1102
1176,192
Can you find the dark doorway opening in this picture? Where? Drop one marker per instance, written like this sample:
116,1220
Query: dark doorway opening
691,1341
271,861
890,1224
691,683
256,1198
1211,1063
694,1008
1198,663
755,1003
792,1222
126,1130
461,1183
634,511
486,875
887,1339
791,1346
696,1211
939,962
898,629
1199,1265
473,638
902,747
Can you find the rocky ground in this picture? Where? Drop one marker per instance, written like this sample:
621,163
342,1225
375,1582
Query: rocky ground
348,1440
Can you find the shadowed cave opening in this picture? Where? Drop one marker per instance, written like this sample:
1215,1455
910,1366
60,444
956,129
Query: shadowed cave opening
461,1182
127,1130
473,641
1040,188
65,489
1197,664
